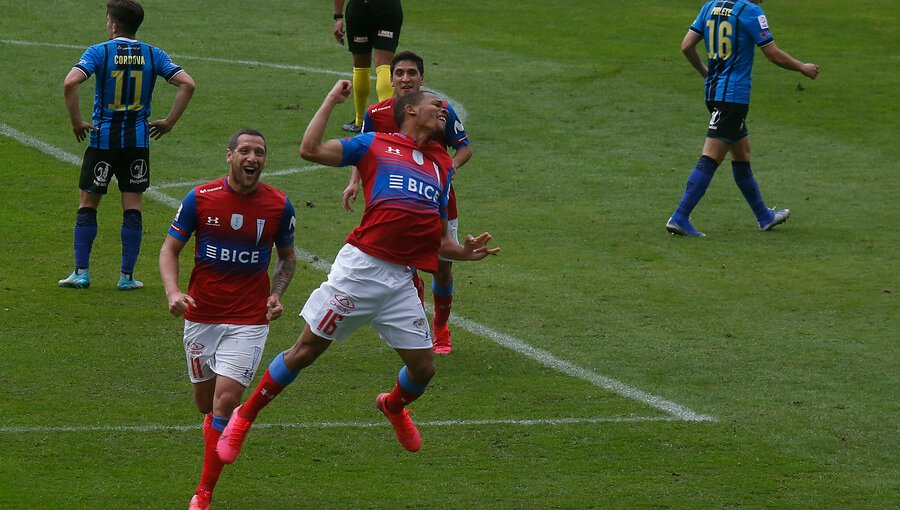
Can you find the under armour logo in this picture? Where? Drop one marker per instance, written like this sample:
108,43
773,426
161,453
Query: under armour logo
391,150
211,220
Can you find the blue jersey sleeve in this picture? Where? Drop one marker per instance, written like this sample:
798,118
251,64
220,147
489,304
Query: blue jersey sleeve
163,64
367,126
185,222
90,60
699,24
355,148
285,235
445,196
455,135
753,21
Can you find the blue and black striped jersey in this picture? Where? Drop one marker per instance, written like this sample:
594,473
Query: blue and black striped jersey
731,30
126,72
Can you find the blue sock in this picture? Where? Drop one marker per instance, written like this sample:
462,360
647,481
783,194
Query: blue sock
132,233
219,422
441,290
85,233
280,373
407,384
743,177
696,186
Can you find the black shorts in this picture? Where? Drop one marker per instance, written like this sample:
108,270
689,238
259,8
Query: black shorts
373,23
130,166
727,121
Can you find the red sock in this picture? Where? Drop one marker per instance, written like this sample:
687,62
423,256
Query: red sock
420,286
265,391
212,466
442,305
398,398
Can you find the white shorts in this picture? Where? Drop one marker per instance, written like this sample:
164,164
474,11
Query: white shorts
361,290
453,227
231,350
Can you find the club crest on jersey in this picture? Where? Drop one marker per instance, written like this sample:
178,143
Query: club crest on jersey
391,150
418,157
237,221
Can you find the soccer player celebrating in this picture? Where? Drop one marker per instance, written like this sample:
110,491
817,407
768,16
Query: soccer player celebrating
406,178
126,71
230,302
407,77
731,30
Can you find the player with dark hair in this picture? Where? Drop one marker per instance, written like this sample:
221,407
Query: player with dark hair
407,77
407,178
236,221
370,25
731,29
126,71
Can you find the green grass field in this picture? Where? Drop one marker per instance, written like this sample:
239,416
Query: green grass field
599,362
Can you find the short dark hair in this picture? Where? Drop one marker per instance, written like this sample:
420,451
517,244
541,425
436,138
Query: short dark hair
232,142
400,106
410,56
128,14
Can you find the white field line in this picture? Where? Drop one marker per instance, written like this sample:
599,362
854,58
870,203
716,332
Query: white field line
337,424
460,109
541,356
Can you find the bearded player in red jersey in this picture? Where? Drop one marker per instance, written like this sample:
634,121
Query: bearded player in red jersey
407,77
407,179
237,222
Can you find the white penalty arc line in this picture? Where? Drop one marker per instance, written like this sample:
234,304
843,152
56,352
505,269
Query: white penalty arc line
38,429
541,356
457,106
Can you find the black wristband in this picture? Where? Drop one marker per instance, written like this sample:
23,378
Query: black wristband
338,16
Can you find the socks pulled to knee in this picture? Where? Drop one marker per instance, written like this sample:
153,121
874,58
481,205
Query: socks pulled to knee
212,466
361,87
696,185
132,234
443,302
404,392
85,233
743,177
383,82
277,377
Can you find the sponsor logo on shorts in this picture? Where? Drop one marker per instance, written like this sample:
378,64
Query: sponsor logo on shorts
386,33
342,304
360,39
101,174
714,119
195,347
139,171
420,323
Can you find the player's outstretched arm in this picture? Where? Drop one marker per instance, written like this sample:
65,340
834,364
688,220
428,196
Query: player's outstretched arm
781,58
186,88
311,147
689,49
474,248
168,271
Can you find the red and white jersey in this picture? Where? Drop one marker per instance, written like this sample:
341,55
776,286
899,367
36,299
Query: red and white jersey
406,189
234,238
380,119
